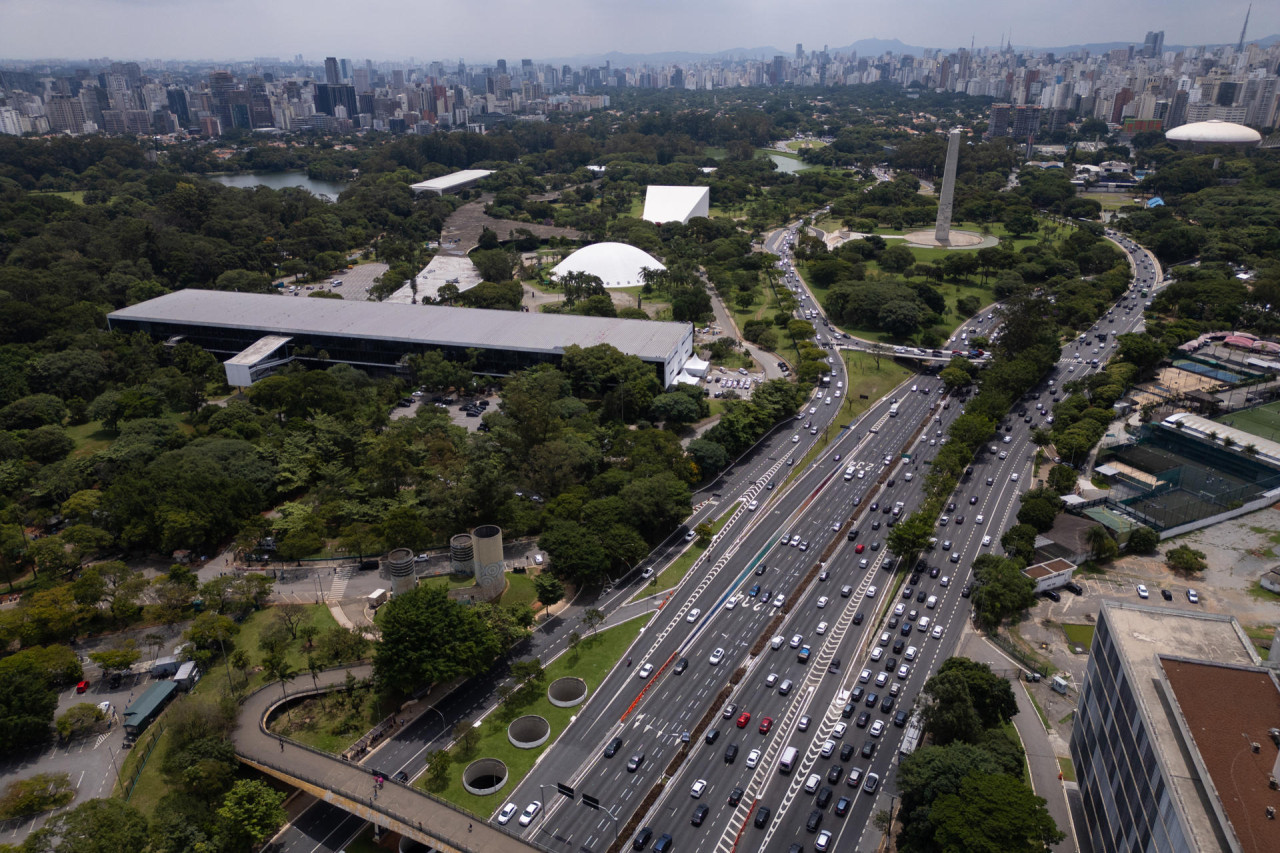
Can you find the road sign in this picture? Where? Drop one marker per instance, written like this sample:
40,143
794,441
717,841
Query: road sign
564,789
590,801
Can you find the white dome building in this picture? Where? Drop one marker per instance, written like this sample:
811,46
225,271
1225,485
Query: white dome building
616,264
1214,132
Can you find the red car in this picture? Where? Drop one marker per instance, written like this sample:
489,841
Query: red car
743,719
859,548
765,725
82,686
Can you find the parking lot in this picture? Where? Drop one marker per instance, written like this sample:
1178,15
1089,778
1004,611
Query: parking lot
355,282
457,416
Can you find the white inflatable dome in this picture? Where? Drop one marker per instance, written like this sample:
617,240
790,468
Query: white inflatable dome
617,264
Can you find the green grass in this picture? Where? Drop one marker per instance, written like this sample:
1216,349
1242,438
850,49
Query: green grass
519,591
1044,718
92,437
797,144
1066,718
591,661
1068,769
1079,635
76,196
316,718
1261,636
1257,591
715,153
449,581
1113,201
1262,421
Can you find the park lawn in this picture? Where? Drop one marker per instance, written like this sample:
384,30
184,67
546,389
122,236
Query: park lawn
449,581
595,656
323,712
1113,201
867,379
1068,769
92,436
76,196
519,591
797,144
715,153
1079,635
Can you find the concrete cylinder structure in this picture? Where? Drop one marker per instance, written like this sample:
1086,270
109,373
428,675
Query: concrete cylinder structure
462,557
567,692
400,565
942,226
529,731
484,776
487,547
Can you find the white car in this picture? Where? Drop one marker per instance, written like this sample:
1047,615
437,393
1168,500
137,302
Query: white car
717,656
753,758
753,506
693,615
645,671
979,520
1142,591
821,629
903,672
697,789
1013,477
864,676
530,812
508,812
823,841
871,592
822,601
986,541
877,728
839,730
882,679
937,632
796,641
876,654
795,439
911,653
778,599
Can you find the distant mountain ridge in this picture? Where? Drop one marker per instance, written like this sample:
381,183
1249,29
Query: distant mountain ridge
863,47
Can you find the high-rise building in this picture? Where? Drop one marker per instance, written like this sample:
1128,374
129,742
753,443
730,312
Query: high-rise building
345,67
1026,123
177,99
329,98
1174,743
65,113
799,52
1153,45
998,120
331,75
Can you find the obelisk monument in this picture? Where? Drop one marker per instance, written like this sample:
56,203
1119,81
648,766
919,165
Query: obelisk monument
942,228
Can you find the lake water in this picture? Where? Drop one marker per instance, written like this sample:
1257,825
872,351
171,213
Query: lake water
786,164
280,180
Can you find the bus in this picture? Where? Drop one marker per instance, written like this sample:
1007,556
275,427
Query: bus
893,410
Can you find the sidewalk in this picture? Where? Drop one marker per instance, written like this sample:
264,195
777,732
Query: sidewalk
1042,758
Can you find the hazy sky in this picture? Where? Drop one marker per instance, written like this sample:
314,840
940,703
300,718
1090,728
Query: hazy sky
483,30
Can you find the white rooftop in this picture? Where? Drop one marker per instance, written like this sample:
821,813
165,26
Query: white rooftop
1214,131
428,325
439,271
451,181
676,204
616,264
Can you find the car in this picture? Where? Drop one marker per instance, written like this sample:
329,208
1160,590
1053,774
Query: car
937,632
771,679
784,687
698,787
753,758
743,719
872,783
729,710
634,762
823,575
1013,477
859,548
612,749
864,717
828,747
700,814
944,581
955,557
986,543
991,481
795,540
823,841
82,686
681,666
1166,595
645,671
934,571
1142,591
765,725
903,672
882,678
762,817
684,736
762,568
842,806
864,563
1052,595
779,599
530,812
877,654
854,779
871,591
821,629
693,615
822,601
753,506
796,641
804,545
1193,596
508,812
911,653
872,699
822,801
868,749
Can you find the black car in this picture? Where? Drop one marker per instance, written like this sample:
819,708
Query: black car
612,749
863,719
642,839
731,753
907,592
1052,595
934,571
700,814
875,525
890,664
762,569
856,695
762,817
735,796
833,668
898,645
847,710
900,718
915,579
846,751
842,806
921,596
868,749
713,736
1075,588
967,591
886,704
872,699
814,821
857,618
824,797
1166,595
681,666
875,505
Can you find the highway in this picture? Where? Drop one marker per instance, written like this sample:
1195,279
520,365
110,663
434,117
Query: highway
733,792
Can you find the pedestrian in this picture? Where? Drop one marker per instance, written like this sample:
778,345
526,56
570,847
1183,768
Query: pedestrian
282,744
468,827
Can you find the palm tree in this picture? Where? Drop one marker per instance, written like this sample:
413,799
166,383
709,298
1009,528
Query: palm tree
277,668
1097,537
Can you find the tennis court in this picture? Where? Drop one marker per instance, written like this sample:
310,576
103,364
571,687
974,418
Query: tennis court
1206,370
1262,421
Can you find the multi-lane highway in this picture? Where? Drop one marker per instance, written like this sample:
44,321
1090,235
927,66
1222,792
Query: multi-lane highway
870,621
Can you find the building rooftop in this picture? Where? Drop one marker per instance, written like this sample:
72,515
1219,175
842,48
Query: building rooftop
1144,635
1215,131
675,204
1267,451
1049,567
451,181
616,264
259,350
414,324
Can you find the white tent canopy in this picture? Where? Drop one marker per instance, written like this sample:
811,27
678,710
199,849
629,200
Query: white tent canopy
696,366
676,204
616,264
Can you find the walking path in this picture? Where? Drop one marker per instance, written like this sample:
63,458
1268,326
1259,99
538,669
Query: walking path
391,804
1042,759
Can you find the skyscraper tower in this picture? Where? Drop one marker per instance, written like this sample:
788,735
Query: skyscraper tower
1244,29
942,227
331,71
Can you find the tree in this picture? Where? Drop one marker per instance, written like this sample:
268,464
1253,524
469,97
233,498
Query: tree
429,639
896,258
27,706
1020,223
251,812
1037,511
927,774
94,826
1184,558
438,762
1102,546
1142,540
592,618
911,535
1020,542
548,587
77,720
291,616
993,813
119,659
948,710
1062,479
1003,591
278,668
992,695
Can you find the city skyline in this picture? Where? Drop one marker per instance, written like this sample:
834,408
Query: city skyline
237,30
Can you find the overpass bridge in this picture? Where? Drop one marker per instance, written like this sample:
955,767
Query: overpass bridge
403,808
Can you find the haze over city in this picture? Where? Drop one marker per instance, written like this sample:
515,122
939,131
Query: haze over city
391,29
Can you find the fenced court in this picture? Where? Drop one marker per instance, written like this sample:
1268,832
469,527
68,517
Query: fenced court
1262,421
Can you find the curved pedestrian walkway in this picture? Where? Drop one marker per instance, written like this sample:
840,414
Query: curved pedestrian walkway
393,805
